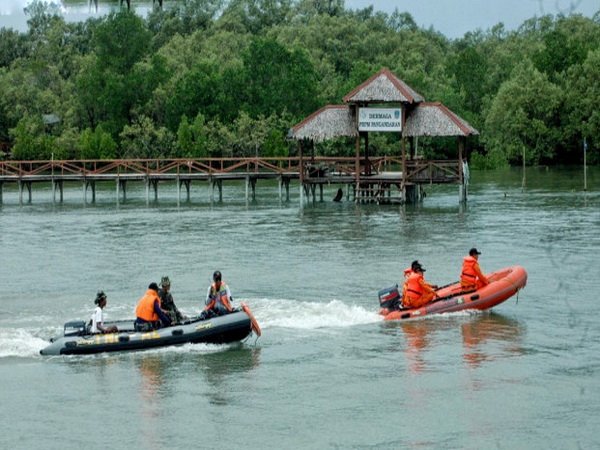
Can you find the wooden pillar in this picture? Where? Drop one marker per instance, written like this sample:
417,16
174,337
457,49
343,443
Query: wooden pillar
462,190
367,163
321,192
287,189
253,185
301,172
357,162
57,184
92,185
403,183
187,184
1,187
247,187
280,187
154,184
121,186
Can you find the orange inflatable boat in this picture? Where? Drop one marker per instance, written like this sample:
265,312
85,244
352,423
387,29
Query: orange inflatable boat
504,284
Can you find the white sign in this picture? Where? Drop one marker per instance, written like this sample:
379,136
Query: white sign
380,119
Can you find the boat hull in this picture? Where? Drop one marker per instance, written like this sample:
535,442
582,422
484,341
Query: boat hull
218,330
504,284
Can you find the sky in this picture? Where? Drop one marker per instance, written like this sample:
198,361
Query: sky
453,18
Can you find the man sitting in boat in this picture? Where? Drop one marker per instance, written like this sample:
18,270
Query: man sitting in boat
218,298
418,291
471,277
97,319
407,273
149,315
167,304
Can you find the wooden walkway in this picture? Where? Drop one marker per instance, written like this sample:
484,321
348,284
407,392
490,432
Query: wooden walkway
379,179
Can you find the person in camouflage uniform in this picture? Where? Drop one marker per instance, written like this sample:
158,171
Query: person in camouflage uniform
167,304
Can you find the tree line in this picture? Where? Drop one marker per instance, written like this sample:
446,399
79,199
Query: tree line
214,78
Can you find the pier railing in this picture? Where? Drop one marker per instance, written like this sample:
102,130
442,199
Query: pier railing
417,171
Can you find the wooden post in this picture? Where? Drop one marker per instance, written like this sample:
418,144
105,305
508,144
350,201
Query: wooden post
367,163
404,174
462,191
280,187
584,168
1,187
357,163
301,172
155,186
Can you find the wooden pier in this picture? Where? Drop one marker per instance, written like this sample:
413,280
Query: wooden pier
377,180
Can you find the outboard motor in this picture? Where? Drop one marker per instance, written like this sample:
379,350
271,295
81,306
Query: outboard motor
75,328
389,298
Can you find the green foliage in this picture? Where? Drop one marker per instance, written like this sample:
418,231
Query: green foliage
12,46
220,78
97,144
31,141
192,138
143,139
288,82
520,120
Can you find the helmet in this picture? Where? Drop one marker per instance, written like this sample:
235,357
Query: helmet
164,281
216,276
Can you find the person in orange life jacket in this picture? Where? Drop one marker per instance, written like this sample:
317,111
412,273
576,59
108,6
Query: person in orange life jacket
418,291
471,277
97,319
218,297
407,272
149,315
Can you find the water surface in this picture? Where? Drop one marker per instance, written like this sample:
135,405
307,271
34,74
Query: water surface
327,373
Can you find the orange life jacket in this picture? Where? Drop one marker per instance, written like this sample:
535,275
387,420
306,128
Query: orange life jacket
414,289
468,276
145,306
407,274
219,297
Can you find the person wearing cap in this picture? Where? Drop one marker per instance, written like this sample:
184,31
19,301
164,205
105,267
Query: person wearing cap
418,291
167,304
218,297
97,319
407,273
149,315
471,276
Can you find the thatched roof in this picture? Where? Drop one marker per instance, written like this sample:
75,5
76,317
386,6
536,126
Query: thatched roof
383,87
434,119
328,122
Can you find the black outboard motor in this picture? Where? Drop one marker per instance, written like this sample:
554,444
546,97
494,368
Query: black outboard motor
389,298
75,328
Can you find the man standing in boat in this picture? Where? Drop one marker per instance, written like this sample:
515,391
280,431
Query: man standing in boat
218,297
167,303
471,276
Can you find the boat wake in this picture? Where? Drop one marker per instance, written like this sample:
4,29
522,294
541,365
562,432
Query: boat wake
310,315
270,313
19,342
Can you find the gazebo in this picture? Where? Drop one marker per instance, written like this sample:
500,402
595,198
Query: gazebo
385,103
